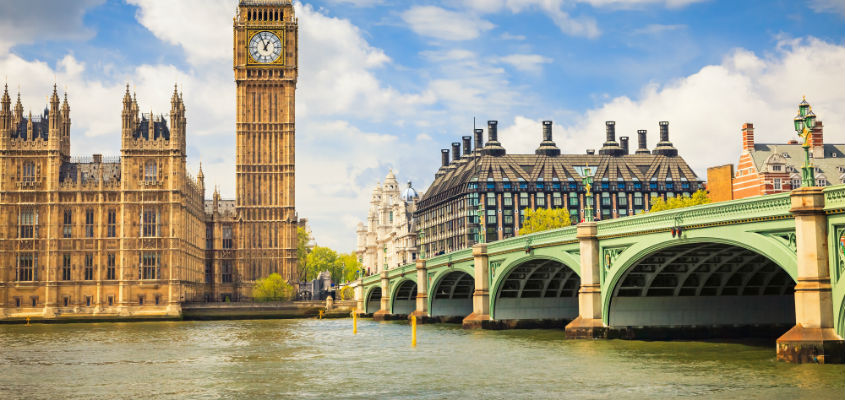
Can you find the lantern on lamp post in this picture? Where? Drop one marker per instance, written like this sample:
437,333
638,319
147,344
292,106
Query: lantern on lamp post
587,181
804,122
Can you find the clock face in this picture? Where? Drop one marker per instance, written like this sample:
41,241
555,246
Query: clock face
265,47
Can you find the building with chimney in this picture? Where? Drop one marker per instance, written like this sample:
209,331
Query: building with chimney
484,179
389,239
766,168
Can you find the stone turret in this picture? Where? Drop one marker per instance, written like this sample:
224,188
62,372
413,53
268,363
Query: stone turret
177,120
5,115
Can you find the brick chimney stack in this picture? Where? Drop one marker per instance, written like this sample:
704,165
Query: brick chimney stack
748,137
817,140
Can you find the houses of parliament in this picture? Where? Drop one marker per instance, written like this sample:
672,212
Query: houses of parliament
133,236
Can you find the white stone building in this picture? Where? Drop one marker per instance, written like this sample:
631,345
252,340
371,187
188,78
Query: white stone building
389,239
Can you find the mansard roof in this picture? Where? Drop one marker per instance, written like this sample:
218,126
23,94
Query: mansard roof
565,167
831,165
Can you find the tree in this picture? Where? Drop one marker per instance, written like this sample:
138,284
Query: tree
350,265
321,259
543,219
302,239
347,293
697,198
272,288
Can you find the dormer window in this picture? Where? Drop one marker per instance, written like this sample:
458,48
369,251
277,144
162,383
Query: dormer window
776,168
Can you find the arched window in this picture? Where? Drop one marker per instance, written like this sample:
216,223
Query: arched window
150,172
28,171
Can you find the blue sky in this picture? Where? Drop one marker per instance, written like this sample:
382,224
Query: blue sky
386,84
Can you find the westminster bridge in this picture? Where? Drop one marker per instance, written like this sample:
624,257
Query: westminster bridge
760,266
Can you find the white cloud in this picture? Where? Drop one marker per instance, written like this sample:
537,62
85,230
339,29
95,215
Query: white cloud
195,25
831,6
640,3
526,62
706,110
444,24
40,20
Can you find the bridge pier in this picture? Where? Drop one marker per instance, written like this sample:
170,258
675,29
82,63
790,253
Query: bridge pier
588,324
384,310
421,313
481,296
813,338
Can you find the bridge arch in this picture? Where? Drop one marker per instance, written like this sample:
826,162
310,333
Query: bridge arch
536,287
703,282
372,301
403,297
451,295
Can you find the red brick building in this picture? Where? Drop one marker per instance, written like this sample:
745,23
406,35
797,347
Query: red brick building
774,168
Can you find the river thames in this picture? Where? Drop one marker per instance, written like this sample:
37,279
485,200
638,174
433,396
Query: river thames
310,359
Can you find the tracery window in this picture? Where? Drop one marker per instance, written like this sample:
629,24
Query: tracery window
28,172
28,223
149,222
150,172
27,269
148,267
89,223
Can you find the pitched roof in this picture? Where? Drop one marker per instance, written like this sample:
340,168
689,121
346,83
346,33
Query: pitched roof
831,165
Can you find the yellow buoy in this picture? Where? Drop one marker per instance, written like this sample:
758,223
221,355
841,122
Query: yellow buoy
413,331
354,323
321,314
27,321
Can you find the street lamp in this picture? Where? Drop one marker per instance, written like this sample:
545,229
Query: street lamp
587,181
481,227
421,235
805,121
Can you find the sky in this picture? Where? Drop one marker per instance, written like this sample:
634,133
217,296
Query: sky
386,84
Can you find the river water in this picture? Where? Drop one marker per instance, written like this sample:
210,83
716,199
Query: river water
314,359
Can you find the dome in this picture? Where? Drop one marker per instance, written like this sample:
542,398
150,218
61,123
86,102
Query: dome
409,194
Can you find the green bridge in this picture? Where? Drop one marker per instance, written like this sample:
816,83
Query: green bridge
769,266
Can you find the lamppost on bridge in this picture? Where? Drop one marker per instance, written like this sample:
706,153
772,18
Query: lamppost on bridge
587,181
421,236
805,121
481,227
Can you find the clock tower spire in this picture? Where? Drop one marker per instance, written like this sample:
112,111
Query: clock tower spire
265,66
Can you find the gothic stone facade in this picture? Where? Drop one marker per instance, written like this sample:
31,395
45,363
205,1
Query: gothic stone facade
133,236
92,236
389,239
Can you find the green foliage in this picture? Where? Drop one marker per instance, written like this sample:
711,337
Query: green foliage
272,288
347,293
543,219
697,198
343,267
302,239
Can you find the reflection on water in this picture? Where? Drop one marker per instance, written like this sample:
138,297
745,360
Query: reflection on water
321,358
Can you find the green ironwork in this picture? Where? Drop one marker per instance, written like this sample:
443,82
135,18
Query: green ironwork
763,225
421,236
804,122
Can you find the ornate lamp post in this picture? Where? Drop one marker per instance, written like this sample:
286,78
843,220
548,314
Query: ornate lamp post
421,235
385,258
481,227
805,121
587,181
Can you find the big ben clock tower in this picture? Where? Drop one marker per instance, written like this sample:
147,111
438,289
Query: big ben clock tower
265,64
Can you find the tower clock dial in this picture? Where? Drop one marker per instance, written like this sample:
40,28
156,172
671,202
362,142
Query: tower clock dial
265,47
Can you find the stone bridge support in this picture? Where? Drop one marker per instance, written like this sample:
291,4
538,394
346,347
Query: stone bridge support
384,310
589,323
812,339
359,297
421,312
481,296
